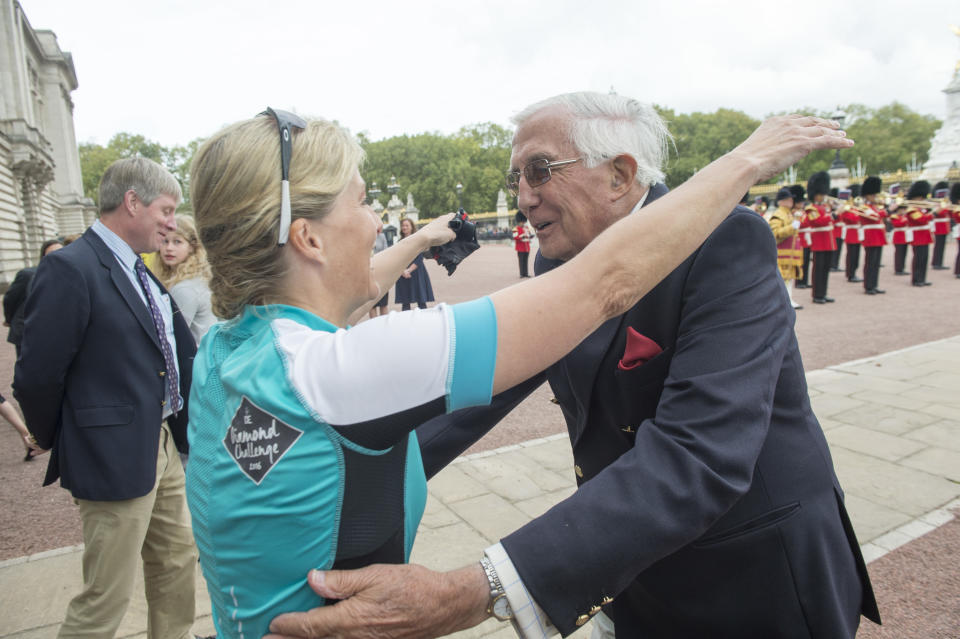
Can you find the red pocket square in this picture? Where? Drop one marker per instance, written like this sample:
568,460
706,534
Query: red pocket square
640,349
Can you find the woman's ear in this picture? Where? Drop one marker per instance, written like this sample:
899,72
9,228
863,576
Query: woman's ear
306,241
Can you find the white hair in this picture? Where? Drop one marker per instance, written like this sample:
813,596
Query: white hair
605,125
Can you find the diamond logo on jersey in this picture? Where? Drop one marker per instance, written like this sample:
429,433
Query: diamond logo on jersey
257,440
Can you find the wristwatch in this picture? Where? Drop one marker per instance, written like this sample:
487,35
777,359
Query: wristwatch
498,606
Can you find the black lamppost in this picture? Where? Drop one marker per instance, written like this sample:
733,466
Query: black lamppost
374,192
459,189
392,186
839,116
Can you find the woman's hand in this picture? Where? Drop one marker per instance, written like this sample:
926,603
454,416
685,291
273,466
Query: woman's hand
781,141
438,231
406,274
33,446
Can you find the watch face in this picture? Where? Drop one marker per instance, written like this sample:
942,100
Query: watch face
501,608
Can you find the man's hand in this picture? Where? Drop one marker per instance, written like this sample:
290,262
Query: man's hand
405,601
781,141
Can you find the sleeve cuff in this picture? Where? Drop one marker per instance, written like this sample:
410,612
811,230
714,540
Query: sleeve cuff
530,621
473,340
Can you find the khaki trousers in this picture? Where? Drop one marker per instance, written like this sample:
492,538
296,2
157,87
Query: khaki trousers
155,527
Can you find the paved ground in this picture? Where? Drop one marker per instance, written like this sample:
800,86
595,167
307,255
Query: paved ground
891,421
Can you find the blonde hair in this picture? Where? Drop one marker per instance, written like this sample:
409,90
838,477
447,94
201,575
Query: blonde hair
235,191
196,263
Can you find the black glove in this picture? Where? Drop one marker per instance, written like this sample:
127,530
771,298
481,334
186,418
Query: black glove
452,253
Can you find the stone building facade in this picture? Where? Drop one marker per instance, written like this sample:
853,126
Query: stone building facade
41,188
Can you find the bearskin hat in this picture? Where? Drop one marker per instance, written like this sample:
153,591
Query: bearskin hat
955,193
784,193
940,186
871,186
798,192
818,184
519,218
919,190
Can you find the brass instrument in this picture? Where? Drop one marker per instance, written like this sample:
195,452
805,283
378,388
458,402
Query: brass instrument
929,204
845,205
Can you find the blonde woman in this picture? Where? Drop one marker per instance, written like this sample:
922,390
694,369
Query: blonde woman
183,269
301,425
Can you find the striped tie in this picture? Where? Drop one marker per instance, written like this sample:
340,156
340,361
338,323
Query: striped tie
173,380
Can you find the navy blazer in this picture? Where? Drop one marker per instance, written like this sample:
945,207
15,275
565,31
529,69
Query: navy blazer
90,377
14,303
708,505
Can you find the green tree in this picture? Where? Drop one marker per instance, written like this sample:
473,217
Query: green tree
886,138
700,138
430,165
94,160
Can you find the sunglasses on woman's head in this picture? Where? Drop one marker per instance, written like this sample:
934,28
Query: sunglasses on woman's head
285,122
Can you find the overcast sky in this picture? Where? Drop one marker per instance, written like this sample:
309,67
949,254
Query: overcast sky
174,70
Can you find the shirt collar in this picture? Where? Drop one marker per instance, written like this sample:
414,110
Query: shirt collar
116,244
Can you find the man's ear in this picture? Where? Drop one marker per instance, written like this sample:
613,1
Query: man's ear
623,174
306,241
131,201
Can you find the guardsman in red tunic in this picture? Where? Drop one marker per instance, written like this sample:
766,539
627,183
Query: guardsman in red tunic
837,233
901,237
785,229
799,193
955,200
873,234
920,222
850,218
819,225
941,226
522,234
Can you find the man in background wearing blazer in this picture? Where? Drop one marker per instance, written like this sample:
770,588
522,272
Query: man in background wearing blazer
102,379
706,501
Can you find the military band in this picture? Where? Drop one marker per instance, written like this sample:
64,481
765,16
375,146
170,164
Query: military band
868,217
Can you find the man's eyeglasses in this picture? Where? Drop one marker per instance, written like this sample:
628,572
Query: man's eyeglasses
537,173
285,121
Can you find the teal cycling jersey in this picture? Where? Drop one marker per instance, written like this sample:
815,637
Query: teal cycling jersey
302,450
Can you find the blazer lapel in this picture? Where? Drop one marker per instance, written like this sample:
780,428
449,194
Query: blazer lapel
124,285
579,369
582,365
